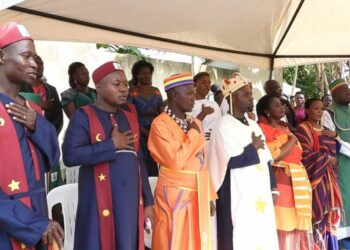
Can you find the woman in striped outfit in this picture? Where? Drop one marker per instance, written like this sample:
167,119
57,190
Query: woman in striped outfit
319,159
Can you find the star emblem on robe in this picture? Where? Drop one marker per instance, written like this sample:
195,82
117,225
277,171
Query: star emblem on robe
259,167
260,205
14,185
102,177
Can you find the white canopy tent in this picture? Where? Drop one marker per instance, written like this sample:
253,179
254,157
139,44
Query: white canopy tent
258,33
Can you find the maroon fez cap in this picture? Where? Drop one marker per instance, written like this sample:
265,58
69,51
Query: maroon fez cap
104,70
12,32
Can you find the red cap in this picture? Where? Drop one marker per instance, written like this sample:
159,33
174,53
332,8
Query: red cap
104,70
12,32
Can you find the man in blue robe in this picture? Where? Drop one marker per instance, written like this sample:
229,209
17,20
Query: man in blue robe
28,148
114,193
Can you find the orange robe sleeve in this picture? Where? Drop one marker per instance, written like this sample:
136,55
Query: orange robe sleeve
171,149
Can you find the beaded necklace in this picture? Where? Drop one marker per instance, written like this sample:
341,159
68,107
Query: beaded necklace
181,122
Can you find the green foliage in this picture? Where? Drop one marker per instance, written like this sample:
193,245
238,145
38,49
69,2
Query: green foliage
122,50
306,79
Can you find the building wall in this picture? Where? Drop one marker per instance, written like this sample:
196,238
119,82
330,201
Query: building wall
57,56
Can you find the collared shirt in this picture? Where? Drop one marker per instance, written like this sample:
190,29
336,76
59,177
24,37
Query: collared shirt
40,89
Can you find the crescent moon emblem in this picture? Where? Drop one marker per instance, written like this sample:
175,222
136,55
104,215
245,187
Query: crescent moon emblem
98,137
2,122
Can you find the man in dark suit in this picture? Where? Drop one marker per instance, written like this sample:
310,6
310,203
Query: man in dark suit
50,101
51,105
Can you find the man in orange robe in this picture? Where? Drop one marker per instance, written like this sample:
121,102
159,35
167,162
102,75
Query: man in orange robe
184,192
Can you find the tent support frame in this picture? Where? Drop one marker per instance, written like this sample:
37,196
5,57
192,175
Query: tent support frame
272,56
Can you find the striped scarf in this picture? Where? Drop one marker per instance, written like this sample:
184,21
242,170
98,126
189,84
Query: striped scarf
301,187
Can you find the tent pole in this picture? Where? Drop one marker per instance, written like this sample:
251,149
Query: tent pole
289,27
272,65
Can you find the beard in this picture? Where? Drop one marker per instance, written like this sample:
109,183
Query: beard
250,107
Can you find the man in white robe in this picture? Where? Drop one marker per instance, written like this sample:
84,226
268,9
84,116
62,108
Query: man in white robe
240,170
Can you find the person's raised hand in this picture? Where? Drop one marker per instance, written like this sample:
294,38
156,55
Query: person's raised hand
333,161
22,114
123,140
329,133
206,110
257,141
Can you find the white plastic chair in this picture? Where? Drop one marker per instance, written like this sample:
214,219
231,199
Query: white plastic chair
67,195
72,174
148,237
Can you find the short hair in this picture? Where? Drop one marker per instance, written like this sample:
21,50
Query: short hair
264,104
215,88
199,75
71,70
299,93
268,82
139,65
310,101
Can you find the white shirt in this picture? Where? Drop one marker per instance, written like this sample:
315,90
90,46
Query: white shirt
327,122
210,120
224,107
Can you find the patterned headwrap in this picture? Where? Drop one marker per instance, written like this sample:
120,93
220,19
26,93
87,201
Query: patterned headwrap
235,83
232,85
178,80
